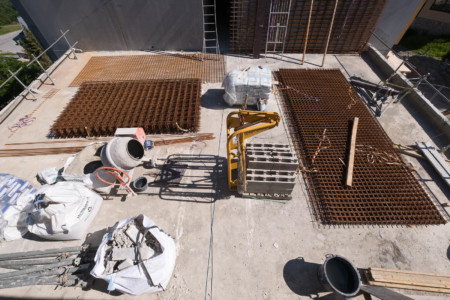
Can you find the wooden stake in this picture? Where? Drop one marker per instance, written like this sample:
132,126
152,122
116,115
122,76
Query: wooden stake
307,31
329,32
351,155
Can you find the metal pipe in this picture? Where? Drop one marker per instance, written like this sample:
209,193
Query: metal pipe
43,69
40,253
36,58
307,31
438,91
48,48
329,32
24,86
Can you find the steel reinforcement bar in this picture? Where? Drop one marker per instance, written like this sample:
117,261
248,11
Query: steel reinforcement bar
321,105
354,19
159,106
209,67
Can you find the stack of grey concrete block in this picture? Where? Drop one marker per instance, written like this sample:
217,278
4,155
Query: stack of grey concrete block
271,169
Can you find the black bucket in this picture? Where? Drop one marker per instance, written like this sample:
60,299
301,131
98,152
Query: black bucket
337,274
140,184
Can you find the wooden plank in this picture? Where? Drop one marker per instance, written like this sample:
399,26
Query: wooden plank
383,293
405,277
410,287
409,272
436,160
351,155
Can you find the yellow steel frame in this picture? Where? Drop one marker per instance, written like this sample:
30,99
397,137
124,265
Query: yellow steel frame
241,125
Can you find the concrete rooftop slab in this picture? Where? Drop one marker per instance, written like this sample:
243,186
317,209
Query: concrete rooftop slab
230,247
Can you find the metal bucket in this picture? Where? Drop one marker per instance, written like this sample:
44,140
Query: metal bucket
337,274
140,184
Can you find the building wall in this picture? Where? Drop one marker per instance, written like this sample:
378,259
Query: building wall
115,24
393,22
432,21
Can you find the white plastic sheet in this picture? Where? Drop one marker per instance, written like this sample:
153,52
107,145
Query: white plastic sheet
63,211
256,82
15,197
133,280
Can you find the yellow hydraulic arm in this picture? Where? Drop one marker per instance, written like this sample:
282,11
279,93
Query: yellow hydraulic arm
241,125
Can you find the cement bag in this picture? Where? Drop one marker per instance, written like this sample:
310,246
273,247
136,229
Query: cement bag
63,211
134,280
15,197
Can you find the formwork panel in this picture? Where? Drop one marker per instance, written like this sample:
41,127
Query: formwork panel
209,67
321,106
159,106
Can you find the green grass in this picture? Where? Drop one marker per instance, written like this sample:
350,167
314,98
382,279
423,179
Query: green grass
4,29
433,46
7,54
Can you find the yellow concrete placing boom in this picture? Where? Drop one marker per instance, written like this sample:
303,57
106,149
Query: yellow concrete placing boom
241,125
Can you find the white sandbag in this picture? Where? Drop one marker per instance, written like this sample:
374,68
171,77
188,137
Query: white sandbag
15,197
49,176
256,82
63,211
133,279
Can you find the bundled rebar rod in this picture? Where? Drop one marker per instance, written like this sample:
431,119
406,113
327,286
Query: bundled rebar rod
41,253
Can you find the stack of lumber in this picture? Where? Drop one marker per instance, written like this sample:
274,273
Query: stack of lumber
409,280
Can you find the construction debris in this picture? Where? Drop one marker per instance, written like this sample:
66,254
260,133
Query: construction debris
409,280
135,257
384,189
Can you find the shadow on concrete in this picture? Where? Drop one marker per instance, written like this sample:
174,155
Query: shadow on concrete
301,277
95,238
193,178
213,99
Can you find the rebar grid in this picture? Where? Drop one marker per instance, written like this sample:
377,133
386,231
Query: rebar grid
351,30
159,106
208,66
384,191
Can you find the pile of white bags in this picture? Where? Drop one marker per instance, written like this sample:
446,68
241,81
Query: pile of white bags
256,82
63,211
15,196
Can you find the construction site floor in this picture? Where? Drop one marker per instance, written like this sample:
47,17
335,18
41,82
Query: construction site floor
230,247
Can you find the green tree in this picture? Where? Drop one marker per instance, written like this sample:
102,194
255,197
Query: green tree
32,47
8,14
13,88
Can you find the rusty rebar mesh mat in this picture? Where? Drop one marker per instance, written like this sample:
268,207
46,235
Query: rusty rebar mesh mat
158,106
354,19
209,67
321,106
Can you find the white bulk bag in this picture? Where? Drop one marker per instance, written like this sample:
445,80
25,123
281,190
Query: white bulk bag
63,211
133,280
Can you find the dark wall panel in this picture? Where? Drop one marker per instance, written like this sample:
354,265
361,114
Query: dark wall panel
116,24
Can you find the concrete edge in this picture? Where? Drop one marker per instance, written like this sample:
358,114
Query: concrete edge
416,98
35,84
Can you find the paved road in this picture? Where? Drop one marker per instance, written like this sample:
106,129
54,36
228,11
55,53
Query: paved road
7,44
